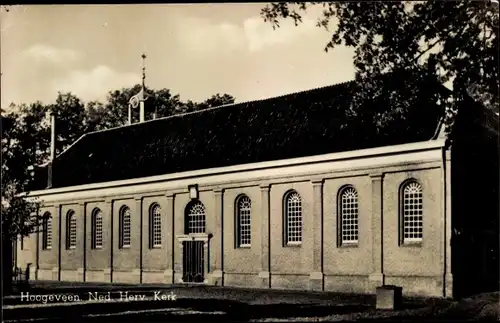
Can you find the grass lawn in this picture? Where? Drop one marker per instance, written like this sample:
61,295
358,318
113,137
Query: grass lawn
211,303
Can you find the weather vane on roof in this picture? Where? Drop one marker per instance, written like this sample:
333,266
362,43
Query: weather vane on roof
138,99
143,68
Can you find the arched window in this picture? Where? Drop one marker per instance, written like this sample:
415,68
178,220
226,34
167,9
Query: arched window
348,215
293,218
195,218
411,212
70,230
96,229
125,227
155,226
243,221
47,231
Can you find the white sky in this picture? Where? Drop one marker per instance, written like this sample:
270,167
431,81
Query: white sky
195,50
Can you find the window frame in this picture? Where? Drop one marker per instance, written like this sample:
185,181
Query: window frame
27,223
71,230
188,215
46,234
403,241
238,219
340,217
286,220
152,226
125,211
96,213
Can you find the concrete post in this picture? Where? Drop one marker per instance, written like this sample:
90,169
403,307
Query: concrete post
216,276
317,276
265,270
81,242
142,235
377,277
109,242
169,225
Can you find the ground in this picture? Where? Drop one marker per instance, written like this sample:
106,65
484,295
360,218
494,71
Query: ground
210,303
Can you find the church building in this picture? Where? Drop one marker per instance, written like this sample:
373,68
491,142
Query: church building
293,192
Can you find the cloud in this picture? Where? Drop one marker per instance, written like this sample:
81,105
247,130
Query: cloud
260,34
94,84
41,52
200,35
203,35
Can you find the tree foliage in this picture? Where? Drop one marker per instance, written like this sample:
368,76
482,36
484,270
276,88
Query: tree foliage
215,101
453,41
70,116
161,103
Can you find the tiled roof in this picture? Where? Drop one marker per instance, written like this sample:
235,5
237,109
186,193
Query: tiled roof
301,124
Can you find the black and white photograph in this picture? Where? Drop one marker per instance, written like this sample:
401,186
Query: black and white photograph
251,162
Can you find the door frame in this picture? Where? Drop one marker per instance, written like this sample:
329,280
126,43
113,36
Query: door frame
181,238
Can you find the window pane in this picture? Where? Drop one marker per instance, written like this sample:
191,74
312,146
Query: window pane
125,228
293,218
412,212
349,215
156,226
47,232
244,221
196,218
97,229
71,230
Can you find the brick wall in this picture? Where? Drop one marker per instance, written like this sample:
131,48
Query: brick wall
317,263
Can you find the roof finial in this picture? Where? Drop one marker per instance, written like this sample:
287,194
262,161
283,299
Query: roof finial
143,69
138,99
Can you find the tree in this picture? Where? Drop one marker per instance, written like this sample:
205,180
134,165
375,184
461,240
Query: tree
97,117
452,41
20,218
20,151
160,102
70,119
26,144
215,101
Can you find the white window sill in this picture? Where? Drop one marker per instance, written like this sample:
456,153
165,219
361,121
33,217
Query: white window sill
245,246
412,240
349,244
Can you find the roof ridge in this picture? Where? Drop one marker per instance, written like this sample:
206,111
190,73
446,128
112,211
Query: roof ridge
178,115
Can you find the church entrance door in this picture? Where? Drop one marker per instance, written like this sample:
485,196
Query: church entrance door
193,261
